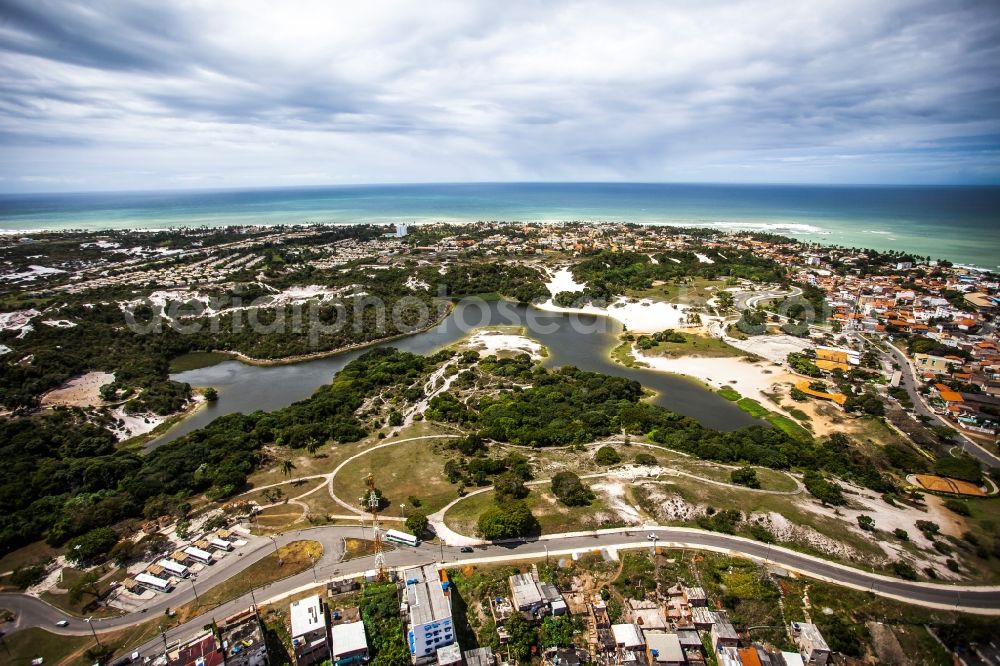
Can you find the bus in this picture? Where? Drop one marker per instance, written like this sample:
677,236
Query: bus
401,537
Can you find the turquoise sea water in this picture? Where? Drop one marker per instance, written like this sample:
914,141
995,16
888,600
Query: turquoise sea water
961,224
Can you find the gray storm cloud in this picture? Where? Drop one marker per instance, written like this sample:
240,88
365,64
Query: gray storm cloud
122,95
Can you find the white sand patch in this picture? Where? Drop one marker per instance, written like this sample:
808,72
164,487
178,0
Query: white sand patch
416,285
562,280
491,342
82,391
615,497
750,379
642,316
703,258
774,348
888,518
786,531
134,424
17,320
58,323
32,273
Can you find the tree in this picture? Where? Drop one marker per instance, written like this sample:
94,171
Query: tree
509,486
507,521
570,490
210,394
866,523
416,522
725,300
557,631
745,476
522,637
91,546
825,491
286,467
87,585
606,455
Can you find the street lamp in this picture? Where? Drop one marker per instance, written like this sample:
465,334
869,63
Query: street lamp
402,510
276,554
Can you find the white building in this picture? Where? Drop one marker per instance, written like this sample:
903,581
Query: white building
348,643
812,646
175,568
310,638
429,607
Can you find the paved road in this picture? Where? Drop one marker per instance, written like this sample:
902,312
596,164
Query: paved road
920,406
33,612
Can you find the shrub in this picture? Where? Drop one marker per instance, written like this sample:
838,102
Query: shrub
606,455
866,523
823,490
957,506
901,534
904,570
570,490
645,459
745,476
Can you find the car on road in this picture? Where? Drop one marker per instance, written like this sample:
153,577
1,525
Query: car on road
62,623
465,549
651,536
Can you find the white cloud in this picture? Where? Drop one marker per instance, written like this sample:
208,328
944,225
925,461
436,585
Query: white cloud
253,93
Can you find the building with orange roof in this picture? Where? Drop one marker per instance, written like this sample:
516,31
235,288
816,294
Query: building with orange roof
749,656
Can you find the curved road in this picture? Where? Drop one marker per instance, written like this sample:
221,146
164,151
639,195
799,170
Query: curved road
33,612
920,406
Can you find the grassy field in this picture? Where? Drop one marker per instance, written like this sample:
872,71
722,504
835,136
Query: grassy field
695,345
696,292
295,558
354,548
553,517
401,471
277,518
622,355
34,553
779,421
729,393
769,479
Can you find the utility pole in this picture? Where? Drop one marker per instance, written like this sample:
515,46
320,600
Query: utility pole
196,598
94,631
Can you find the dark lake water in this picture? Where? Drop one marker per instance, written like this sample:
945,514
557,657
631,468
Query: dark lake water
580,340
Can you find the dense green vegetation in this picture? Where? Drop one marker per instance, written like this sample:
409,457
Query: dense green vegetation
380,614
612,273
521,283
65,477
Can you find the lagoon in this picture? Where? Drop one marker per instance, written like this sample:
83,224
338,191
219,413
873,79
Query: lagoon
584,341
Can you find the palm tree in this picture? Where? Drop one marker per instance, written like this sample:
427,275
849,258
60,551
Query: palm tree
286,467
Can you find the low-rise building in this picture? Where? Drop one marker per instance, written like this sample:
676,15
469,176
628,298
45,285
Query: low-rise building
242,636
628,636
429,612
310,635
664,649
348,643
812,645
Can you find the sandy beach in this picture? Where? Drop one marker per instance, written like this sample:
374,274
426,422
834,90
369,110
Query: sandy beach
82,391
641,316
750,379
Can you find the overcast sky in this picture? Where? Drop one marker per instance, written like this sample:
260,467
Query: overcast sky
187,94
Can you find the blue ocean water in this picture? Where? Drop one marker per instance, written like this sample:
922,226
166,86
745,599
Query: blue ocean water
961,224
